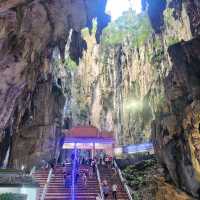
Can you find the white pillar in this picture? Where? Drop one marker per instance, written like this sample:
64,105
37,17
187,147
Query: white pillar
93,150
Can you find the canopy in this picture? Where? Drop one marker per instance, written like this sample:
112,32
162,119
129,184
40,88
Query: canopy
86,137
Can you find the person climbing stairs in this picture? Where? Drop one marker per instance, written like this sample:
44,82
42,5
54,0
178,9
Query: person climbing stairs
91,189
110,176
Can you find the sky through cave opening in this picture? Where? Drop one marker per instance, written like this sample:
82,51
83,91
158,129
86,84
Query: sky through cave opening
115,8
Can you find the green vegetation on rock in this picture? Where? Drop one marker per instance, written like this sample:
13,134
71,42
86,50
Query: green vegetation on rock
134,174
168,16
70,64
157,57
85,32
135,28
172,40
137,176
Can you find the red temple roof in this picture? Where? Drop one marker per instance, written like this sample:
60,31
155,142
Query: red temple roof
84,131
88,132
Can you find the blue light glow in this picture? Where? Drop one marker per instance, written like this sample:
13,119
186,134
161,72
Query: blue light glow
137,148
74,174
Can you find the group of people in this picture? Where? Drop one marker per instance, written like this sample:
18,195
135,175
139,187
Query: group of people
48,164
84,174
89,171
106,190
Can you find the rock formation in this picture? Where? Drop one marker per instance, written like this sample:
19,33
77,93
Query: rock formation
176,132
162,75
176,129
119,87
31,86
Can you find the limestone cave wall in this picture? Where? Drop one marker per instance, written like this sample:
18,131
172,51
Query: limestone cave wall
32,86
148,92
176,130
120,87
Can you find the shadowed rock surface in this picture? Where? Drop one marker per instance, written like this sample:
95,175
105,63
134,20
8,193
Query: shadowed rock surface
31,87
176,132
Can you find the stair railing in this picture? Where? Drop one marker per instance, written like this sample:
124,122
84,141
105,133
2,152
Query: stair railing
99,180
49,177
32,171
123,181
46,184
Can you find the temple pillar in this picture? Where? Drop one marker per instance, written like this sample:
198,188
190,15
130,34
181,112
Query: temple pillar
93,150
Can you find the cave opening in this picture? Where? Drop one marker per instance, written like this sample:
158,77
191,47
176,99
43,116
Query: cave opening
104,92
115,10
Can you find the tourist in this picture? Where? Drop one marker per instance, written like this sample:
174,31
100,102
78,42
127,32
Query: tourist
72,157
114,191
100,161
83,161
77,176
90,172
52,165
84,177
80,160
93,164
105,182
110,159
77,164
90,161
98,197
67,180
43,164
105,189
101,158
107,161
114,172
87,161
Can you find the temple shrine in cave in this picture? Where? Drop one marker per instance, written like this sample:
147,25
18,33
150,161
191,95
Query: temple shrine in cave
88,140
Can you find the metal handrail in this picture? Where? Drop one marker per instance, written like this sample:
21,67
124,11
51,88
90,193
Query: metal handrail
123,181
46,184
99,180
49,179
32,171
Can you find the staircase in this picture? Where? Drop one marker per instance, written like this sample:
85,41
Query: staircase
108,175
41,177
91,190
57,191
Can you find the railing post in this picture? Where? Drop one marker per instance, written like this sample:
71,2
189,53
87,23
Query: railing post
32,170
123,181
99,180
48,179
